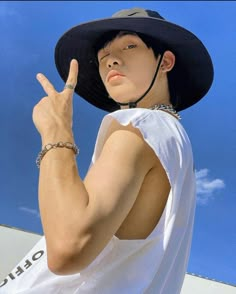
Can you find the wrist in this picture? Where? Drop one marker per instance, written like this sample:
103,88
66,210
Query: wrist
59,145
57,136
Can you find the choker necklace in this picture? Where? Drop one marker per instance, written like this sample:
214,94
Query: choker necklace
168,108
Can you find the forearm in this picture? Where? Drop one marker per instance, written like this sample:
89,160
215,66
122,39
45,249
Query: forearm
63,198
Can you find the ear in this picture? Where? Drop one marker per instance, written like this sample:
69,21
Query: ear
168,61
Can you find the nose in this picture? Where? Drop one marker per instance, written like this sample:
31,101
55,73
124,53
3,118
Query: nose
110,64
113,61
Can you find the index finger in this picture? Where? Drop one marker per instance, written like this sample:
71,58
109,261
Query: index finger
73,73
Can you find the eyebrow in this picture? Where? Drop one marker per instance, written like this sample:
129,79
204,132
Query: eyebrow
119,35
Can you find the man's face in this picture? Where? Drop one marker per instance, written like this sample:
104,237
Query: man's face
126,67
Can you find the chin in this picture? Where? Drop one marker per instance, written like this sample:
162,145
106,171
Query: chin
125,92
120,100
121,96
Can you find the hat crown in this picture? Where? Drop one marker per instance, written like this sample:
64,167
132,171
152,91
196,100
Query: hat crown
137,12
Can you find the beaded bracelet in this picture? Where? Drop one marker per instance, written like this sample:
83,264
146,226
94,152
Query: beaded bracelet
53,146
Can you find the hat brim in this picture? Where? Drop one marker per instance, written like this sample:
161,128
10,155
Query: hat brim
193,61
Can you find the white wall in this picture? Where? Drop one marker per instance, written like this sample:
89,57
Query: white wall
197,285
15,243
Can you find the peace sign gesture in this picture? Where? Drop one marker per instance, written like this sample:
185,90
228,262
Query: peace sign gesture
52,116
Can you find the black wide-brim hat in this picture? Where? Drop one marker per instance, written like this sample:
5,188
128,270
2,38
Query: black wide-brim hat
193,66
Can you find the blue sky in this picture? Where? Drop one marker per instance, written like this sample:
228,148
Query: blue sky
29,32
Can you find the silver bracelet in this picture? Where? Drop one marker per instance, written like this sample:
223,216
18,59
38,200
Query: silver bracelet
50,146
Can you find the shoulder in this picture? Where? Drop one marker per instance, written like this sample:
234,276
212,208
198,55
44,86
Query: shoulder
144,117
156,126
127,144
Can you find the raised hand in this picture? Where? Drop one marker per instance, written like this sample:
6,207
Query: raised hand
52,116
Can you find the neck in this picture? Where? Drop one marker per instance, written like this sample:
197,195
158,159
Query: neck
158,95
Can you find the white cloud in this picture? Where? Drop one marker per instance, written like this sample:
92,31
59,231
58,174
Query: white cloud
31,211
206,186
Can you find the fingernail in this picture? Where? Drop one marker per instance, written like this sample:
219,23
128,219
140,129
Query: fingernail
39,76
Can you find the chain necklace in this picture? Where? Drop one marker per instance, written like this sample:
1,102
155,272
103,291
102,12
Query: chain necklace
168,108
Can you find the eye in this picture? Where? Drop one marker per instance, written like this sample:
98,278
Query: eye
130,46
103,57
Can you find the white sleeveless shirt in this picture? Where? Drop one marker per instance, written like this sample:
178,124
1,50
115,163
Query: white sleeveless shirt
155,265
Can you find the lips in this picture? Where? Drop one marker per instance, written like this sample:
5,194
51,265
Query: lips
112,74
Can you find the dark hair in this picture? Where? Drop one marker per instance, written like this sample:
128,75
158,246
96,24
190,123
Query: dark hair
158,48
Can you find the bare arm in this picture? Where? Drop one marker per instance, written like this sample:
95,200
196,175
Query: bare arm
80,217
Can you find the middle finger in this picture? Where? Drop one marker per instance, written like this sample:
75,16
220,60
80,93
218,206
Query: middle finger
47,86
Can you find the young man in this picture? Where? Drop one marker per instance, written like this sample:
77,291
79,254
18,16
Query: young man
127,227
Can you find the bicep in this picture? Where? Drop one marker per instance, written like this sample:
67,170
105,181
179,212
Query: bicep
114,181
